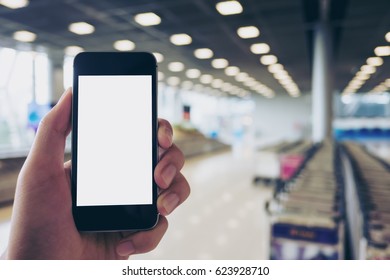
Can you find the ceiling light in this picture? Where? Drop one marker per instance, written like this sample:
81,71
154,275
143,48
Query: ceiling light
219,63
73,50
281,75
250,83
176,66
247,32
387,36
226,8
124,45
368,69
173,81
273,68
268,59
159,57
81,28
232,71
387,83
193,73
226,86
24,36
362,76
260,48
14,4
203,53
374,61
181,39
187,85
160,76
382,51
147,19
216,83
206,79
240,77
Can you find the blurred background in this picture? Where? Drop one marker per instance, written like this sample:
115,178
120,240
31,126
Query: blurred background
281,108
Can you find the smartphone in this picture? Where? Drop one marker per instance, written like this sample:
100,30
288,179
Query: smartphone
114,141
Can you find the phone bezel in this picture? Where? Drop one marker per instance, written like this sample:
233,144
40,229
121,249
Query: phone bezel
115,217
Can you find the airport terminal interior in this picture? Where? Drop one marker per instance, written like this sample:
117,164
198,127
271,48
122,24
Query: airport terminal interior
281,108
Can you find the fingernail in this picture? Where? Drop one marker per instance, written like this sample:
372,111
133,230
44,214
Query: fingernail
168,173
170,202
168,133
125,249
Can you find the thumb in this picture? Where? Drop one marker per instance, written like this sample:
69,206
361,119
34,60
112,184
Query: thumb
49,143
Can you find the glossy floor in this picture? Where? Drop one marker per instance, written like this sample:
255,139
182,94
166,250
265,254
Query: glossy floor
224,217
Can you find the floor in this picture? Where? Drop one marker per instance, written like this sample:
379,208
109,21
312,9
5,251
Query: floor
224,217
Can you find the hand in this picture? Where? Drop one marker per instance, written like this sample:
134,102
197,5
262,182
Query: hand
42,224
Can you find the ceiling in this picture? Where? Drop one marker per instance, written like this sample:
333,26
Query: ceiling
357,27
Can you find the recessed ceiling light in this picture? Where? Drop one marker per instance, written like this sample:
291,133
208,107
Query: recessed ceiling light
240,77
124,45
14,4
176,66
368,69
229,8
219,63
147,19
260,48
24,36
193,73
159,57
226,86
268,59
217,83
203,53
232,71
247,32
382,51
173,81
387,37
362,76
81,28
73,50
187,84
181,39
206,79
374,61
273,68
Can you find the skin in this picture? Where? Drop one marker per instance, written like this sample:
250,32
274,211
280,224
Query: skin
42,225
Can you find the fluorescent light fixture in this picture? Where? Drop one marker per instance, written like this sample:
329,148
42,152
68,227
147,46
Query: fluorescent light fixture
274,68
374,61
159,57
176,66
203,53
181,39
173,81
226,8
247,32
387,37
124,45
73,50
160,76
260,48
14,4
24,36
219,63
268,59
206,79
382,51
81,28
147,19
232,70
368,69
193,73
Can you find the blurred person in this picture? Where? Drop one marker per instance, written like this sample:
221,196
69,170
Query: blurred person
42,225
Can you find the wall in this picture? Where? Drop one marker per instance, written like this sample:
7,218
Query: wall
282,117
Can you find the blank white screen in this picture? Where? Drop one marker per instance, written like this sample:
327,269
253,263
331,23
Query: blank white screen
114,140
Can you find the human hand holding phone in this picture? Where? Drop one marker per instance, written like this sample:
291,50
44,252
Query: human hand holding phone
42,225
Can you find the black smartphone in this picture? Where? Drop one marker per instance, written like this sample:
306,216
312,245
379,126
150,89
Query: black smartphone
114,141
